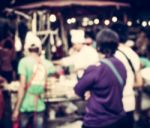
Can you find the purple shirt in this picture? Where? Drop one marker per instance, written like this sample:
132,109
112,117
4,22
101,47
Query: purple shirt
105,104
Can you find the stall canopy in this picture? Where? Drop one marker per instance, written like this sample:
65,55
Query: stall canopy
68,3
138,5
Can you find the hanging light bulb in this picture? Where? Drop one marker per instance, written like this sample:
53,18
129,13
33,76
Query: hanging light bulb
129,23
114,19
85,19
84,24
106,22
52,18
148,23
69,21
96,21
73,20
90,23
144,23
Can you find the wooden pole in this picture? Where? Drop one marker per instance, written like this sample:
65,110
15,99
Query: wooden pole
63,32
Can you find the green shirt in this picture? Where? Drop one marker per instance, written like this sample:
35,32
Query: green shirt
28,67
145,62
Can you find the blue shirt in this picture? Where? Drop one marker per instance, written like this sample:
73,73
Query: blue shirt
105,104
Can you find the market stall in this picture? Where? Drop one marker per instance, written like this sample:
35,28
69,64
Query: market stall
50,20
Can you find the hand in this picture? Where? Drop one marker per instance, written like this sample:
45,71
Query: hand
87,95
15,115
57,62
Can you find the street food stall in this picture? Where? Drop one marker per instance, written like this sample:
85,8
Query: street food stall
48,20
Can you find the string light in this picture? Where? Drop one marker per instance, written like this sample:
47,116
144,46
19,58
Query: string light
85,19
90,23
69,21
106,22
52,18
96,21
84,24
149,23
114,19
144,23
73,20
129,23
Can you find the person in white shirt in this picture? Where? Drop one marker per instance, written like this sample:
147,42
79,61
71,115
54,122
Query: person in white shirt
131,61
83,56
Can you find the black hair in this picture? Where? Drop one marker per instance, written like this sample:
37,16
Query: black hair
122,30
34,49
107,41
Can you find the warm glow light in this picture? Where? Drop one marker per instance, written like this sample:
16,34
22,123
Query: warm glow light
114,19
91,23
73,20
129,23
69,21
84,24
106,22
85,19
52,18
149,23
96,21
144,23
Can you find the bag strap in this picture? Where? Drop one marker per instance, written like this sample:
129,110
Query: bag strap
129,61
114,70
29,83
33,75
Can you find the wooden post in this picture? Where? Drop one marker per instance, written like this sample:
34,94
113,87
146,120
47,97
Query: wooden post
34,23
63,33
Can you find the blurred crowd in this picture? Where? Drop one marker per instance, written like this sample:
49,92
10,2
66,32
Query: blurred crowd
109,68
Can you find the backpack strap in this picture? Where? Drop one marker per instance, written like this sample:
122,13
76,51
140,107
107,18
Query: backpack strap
129,61
114,70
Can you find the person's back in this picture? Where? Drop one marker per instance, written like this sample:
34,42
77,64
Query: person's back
33,71
36,73
104,107
106,94
128,93
131,62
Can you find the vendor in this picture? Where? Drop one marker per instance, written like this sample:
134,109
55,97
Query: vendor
83,55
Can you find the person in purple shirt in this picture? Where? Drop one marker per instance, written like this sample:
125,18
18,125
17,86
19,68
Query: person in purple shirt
104,108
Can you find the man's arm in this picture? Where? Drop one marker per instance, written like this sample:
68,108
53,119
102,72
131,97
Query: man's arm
85,83
139,82
21,92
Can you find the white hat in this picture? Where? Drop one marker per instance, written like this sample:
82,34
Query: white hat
32,41
77,36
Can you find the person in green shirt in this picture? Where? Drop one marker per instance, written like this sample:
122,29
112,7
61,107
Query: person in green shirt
145,62
33,73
